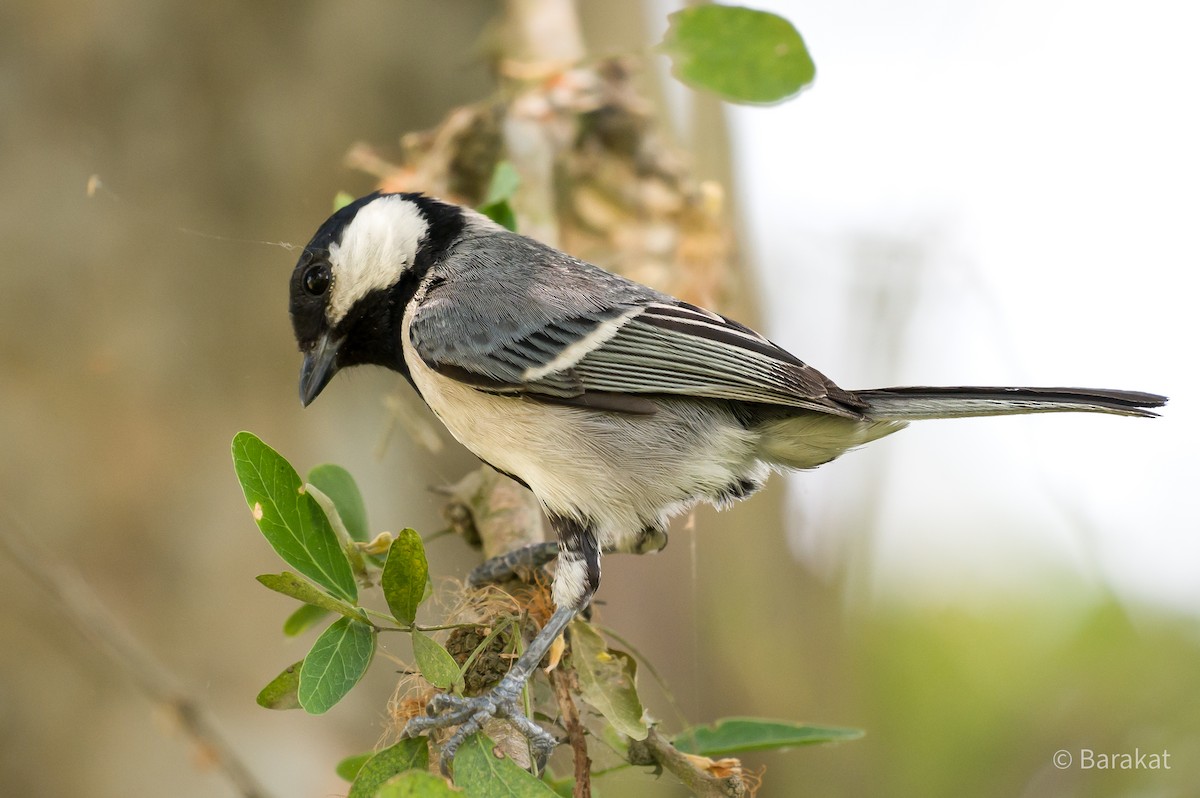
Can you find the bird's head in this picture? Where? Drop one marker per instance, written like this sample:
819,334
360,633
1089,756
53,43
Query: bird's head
355,277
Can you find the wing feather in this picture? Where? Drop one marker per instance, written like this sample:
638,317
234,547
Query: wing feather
599,340
709,360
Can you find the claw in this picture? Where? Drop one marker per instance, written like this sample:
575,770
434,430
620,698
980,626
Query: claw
469,714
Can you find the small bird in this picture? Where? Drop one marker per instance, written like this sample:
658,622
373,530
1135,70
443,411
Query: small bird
619,406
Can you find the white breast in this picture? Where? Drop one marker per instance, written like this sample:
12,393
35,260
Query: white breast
619,471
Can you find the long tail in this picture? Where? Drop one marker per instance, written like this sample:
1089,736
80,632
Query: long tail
904,404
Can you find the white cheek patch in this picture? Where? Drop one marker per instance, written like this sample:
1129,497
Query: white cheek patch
378,245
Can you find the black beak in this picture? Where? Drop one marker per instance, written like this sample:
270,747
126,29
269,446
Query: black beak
320,364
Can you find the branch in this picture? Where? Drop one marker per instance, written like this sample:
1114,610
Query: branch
503,514
102,629
542,37
703,777
560,680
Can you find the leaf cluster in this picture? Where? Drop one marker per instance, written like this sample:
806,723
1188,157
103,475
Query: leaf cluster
319,527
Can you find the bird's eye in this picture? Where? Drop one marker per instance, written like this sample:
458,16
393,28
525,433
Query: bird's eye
316,279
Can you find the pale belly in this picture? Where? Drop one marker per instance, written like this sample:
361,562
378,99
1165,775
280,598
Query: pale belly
620,472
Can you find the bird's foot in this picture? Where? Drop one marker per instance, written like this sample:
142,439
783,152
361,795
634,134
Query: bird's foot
516,564
470,713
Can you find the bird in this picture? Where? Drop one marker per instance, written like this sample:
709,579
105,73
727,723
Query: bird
617,405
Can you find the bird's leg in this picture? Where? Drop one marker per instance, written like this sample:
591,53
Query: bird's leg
469,714
575,580
513,564
650,539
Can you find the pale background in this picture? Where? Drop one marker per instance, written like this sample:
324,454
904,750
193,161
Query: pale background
995,193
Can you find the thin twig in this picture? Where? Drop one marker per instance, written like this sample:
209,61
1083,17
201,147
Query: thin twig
80,605
560,680
703,783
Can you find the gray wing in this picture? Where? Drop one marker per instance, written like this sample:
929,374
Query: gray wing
569,332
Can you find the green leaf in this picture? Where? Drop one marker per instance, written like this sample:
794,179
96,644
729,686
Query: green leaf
341,200
336,483
501,213
349,767
338,659
417,784
291,520
353,554
743,55
482,770
563,788
497,204
607,680
291,585
404,576
411,754
434,661
305,618
732,735
504,184
280,692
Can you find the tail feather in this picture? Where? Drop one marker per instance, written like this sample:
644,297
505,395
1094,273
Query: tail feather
961,402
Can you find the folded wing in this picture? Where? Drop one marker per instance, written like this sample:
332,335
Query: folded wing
617,356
